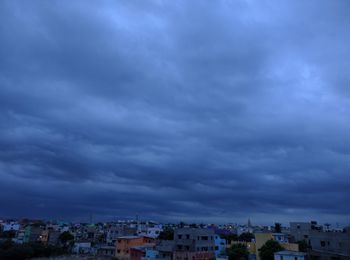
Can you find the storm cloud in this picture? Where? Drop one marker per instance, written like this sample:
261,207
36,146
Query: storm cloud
175,110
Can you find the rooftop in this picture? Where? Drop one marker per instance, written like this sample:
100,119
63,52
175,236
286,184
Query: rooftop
293,253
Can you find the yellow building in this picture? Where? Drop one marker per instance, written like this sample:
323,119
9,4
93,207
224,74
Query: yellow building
262,238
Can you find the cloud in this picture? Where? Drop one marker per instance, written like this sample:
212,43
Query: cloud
202,111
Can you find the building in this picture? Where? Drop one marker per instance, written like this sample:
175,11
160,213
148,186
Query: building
301,230
12,226
220,245
330,245
165,249
32,234
124,244
323,244
82,248
154,231
106,251
194,243
145,251
118,231
289,255
262,238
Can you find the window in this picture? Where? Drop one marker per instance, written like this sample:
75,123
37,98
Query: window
323,243
179,236
295,258
187,236
205,238
281,257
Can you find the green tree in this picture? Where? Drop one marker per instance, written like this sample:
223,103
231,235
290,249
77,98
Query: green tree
238,252
267,251
278,227
302,246
166,234
247,237
65,237
230,237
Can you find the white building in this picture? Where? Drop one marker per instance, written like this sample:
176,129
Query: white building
82,248
289,255
12,226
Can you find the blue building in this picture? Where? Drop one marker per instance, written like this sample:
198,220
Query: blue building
220,245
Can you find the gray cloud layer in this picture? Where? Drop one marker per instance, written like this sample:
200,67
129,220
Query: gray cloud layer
198,110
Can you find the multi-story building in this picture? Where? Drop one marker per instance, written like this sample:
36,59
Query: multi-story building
330,245
220,245
194,243
124,244
32,234
301,230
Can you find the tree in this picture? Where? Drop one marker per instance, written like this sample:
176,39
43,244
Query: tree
65,237
247,237
230,237
238,252
302,246
278,227
267,251
166,234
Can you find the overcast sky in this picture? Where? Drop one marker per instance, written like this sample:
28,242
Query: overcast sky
175,110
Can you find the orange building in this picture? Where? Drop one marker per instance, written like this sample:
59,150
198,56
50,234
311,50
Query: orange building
124,244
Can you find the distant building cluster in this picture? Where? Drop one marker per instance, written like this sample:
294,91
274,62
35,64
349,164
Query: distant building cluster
148,240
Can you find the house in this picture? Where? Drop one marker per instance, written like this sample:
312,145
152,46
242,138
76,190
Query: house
289,255
114,232
82,247
145,251
106,251
165,249
12,226
125,243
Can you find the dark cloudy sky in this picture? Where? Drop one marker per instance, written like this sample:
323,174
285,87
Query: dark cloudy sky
175,110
